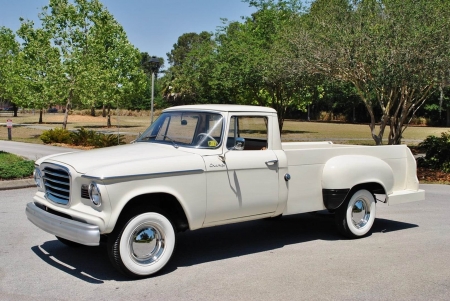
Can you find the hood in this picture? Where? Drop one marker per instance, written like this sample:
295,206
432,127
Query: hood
130,154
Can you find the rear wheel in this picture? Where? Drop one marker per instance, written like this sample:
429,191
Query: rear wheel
355,217
143,245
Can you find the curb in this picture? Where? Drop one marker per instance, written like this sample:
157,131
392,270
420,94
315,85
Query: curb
17,184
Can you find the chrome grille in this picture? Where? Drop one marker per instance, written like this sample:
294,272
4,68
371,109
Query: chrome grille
57,184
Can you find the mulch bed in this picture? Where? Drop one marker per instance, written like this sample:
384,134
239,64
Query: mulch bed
426,175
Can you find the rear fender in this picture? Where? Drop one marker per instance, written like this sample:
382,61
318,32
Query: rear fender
342,173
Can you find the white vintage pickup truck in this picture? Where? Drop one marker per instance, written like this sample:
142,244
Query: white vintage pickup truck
205,165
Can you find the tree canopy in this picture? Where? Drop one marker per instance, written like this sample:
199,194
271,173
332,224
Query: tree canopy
79,54
393,52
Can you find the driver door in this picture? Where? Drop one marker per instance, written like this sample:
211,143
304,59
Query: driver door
245,184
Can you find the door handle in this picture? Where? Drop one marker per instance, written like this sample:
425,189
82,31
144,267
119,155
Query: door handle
270,162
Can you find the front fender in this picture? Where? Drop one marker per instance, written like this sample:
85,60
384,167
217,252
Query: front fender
344,172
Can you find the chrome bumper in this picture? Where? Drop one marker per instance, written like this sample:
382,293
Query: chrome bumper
81,233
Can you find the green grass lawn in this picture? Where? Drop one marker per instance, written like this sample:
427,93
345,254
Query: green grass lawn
14,167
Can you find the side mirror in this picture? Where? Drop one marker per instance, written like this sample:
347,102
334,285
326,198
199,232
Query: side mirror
239,144
184,122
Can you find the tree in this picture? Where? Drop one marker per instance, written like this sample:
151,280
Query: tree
39,68
252,58
187,78
392,51
99,64
9,50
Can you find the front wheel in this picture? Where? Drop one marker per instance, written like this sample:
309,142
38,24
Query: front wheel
143,246
355,217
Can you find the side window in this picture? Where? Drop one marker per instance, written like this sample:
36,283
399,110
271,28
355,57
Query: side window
252,128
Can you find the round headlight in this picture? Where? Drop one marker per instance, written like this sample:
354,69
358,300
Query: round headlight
38,177
94,194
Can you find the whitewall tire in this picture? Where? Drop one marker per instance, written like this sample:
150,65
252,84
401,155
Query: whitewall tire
143,246
356,215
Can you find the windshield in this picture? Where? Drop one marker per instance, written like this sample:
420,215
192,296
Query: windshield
186,129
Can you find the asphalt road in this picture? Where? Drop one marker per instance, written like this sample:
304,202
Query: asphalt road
301,257
32,151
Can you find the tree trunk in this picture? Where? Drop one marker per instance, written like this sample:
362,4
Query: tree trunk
66,113
108,121
93,111
40,115
448,116
15,108
104,111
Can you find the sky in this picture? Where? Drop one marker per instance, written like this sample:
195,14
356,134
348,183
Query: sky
152,26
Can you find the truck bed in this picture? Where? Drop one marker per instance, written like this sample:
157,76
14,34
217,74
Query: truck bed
309,158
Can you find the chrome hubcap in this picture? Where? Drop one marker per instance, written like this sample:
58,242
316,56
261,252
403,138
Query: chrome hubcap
360,214
147,244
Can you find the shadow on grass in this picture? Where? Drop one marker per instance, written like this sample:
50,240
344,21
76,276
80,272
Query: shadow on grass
104,126
44,123
297,132
91,264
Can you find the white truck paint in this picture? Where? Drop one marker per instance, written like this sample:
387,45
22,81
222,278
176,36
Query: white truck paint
205,165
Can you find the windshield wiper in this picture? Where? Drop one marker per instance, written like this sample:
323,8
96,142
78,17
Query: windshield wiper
148,137
173,141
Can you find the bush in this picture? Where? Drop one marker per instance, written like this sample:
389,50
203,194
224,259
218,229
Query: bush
14,167
419,121
82,137
56,135
108,140
437,152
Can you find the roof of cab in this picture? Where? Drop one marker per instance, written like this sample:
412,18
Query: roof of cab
222,108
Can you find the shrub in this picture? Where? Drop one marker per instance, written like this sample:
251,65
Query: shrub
437,152
84,137
109,140
56,135
14,167
419,121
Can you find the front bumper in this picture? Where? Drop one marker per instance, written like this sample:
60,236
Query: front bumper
75,231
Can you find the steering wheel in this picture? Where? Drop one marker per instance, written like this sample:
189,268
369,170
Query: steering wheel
201,135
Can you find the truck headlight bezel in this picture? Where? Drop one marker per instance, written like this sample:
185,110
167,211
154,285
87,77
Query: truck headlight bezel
94,194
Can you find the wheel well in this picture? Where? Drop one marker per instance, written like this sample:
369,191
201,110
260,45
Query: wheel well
334,198
374,188
167,203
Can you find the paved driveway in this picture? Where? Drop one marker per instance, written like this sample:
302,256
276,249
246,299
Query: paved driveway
299,257
32,151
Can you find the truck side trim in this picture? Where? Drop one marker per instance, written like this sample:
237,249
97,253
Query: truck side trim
333,198
150,175
79,232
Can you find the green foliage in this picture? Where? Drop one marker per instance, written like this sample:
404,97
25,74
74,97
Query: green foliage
13,167
393,52
82,137
106,140
437,154
56,135
9,49
80,55
241,64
